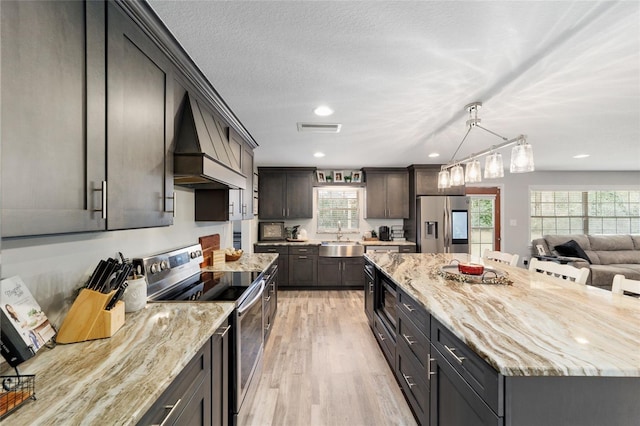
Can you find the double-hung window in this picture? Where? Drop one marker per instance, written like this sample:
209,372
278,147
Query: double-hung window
338,208
584,212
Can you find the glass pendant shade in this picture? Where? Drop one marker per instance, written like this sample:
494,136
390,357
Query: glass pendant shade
457,175
443,180
522,158
473,172
493,167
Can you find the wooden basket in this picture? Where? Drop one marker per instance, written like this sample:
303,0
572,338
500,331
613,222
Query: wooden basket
232,257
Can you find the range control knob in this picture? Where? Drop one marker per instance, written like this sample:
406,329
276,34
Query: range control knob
193,254
164,265
198,253
155,268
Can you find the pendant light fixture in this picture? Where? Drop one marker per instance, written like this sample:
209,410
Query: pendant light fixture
452,174
473,172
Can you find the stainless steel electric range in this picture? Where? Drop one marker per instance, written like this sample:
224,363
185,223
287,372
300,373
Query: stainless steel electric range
175,276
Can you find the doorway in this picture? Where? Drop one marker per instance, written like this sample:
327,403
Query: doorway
484,206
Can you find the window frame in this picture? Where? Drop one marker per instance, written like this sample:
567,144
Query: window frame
356,212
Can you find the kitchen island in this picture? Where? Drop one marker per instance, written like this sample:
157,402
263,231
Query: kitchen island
554,352
115,381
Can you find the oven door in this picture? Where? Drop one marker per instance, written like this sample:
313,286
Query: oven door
249,340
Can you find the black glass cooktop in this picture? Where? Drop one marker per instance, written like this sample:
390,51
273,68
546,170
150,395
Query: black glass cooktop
210,286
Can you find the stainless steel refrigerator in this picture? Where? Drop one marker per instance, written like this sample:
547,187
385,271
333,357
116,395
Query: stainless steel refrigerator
443,224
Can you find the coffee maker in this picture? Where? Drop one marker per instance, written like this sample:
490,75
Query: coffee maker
383,233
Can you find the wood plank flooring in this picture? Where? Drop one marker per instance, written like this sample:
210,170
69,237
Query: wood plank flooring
323,366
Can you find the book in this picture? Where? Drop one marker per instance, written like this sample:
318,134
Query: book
24,328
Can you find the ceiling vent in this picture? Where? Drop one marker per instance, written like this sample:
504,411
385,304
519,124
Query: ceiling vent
319,127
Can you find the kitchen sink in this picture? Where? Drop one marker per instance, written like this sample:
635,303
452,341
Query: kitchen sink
340,249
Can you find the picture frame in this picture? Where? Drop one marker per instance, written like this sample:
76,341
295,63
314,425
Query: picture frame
356,176
338,176
321,176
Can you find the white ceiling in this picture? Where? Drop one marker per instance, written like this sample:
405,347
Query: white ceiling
398,75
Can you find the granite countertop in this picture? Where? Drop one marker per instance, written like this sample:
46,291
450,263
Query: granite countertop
248,262
318,242
116,380
539,326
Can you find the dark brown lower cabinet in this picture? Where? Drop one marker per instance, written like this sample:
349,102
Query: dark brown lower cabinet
283,260
200,393
220,375
188,399
453,401
340,272
303,266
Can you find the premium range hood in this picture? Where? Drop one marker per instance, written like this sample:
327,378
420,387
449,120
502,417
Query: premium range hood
203,154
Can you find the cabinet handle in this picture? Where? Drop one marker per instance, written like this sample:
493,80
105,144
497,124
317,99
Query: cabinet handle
409,341
267,327
273,287
173,197
409,308
283,213
267,299
103,189
429,372
232,209
244,209
172,408
271,249
406,379
287,211
370,287
381,336
302,250
451,350
302,257
224,333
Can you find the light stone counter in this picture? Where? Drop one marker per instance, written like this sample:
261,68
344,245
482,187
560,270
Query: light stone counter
115,381
539,326
332,238
247,263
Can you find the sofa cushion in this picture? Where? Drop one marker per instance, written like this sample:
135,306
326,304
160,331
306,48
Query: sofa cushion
602,275
619,256
636,241
572,249
610,242
556,240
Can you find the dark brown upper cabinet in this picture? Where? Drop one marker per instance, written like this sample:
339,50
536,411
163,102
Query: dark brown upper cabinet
87,121
139,127
53,117
285,193
387,193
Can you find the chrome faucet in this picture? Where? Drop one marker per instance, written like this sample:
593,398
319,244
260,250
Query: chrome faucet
339,231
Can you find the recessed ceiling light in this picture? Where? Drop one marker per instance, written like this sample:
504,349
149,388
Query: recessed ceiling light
581,156
319,154
323,111
434,155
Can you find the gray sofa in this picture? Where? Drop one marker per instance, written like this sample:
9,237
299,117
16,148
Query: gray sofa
609,255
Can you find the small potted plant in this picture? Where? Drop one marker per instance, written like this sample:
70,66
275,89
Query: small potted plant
329,178
347,179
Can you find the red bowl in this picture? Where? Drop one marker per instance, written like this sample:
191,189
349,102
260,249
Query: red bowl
470,268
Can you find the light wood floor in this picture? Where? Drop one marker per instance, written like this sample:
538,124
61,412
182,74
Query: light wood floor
323,366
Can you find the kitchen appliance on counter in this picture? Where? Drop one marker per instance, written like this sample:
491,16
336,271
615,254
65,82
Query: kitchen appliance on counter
175,276
443,224
384,234
271,231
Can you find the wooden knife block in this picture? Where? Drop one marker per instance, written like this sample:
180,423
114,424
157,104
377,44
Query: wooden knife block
88,320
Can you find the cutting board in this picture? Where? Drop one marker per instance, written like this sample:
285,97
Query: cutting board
209,244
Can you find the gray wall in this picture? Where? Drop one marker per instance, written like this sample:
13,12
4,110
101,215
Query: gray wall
54,267
515,198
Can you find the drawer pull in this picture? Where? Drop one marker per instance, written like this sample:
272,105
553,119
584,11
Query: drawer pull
381,336
370,287
224,333
271,249
302,257
409,341
406,379
451,350
172,408
267,299
409,308
302,250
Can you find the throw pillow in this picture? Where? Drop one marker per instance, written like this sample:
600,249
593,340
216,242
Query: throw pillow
572,249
